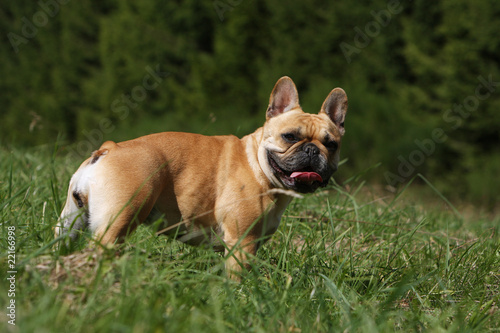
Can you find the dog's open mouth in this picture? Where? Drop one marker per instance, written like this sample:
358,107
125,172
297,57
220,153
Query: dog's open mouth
304,180
306,176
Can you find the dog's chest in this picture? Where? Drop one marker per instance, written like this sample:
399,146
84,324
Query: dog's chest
273,218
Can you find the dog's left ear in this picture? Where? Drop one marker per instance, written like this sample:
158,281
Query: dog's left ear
335,106
284,97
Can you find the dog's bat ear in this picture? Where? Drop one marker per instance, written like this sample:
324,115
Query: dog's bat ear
335,107
284,97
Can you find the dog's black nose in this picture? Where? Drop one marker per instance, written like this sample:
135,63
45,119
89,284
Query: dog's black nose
311,149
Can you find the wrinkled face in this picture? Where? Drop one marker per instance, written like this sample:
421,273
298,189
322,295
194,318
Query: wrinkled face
300,151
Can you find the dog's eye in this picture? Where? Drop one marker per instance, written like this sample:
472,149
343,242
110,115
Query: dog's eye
290,138
331,145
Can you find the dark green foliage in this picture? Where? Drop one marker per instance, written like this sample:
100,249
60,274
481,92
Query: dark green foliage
408,68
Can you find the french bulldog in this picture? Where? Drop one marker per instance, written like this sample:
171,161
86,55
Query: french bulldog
223,191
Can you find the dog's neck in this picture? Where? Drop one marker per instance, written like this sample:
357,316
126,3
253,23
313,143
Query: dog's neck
251,143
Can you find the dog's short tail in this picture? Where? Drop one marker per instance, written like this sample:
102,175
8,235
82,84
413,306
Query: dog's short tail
75,215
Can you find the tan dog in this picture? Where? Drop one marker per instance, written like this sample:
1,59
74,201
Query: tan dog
227,192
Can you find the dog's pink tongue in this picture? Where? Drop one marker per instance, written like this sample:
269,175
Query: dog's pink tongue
306,176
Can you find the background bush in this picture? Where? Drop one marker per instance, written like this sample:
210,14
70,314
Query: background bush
218,62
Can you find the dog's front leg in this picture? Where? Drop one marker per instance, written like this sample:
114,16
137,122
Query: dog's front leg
237,253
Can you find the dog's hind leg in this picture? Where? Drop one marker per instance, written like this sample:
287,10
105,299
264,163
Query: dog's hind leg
114,197
75,215
112,217
120,200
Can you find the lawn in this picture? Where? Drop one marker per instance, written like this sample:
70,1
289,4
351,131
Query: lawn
342,260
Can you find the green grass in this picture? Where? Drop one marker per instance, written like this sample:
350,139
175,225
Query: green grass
341,261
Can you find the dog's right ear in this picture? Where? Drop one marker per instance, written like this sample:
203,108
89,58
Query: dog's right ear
284,97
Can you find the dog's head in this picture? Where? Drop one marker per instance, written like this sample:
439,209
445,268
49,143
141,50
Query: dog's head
300,151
